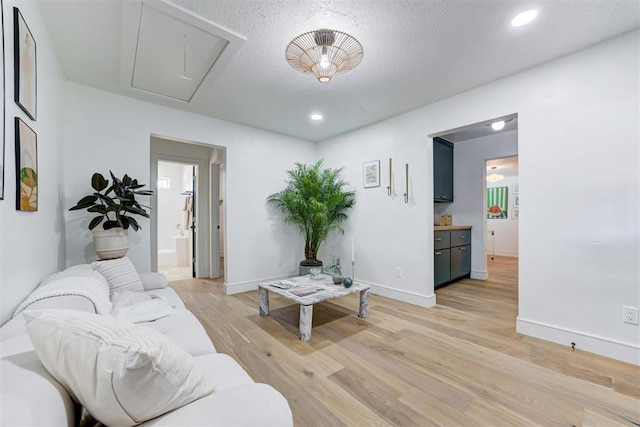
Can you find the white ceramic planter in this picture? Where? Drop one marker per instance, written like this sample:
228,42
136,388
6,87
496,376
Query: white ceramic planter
112,243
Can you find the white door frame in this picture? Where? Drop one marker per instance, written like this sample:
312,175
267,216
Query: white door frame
214,189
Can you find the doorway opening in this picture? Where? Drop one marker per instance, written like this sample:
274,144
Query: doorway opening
186,220
503,208
176,227
475,146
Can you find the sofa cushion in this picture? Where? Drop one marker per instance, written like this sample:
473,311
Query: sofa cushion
248,405
168,294
123,374
223,371
30,396
183,328
120,273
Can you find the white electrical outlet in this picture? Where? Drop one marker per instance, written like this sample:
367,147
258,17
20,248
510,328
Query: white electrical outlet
630,315
399,273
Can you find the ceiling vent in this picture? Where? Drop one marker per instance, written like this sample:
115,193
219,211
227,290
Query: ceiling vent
168,51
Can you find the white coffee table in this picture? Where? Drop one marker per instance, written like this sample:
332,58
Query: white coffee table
306,291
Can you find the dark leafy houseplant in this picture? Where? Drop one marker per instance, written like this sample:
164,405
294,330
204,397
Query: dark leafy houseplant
114,204
316,202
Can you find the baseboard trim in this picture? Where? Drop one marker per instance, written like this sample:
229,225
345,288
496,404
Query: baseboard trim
237,288
396,294
426,301
480,274
503,253
603,346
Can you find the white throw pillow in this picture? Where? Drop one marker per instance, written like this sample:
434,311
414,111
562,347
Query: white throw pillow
123,374
120,273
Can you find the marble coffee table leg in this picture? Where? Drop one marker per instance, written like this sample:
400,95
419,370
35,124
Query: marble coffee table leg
264,302
364,303
306,314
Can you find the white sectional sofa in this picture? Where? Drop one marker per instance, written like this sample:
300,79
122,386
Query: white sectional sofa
30,395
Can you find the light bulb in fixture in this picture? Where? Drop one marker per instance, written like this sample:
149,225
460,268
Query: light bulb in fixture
524,18
497,125
324,58
316,117
494,177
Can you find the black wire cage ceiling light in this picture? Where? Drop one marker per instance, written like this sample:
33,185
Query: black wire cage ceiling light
324,53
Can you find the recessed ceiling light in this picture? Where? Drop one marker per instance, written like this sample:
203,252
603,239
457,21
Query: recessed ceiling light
497,125
524,18
316,117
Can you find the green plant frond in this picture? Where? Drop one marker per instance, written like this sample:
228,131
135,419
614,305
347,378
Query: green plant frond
108,225
134,224
98,209
119,198
98,182
84,203
314,201
133,209
95,221
107,201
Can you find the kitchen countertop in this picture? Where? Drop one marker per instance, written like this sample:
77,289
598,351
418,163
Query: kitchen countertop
451,227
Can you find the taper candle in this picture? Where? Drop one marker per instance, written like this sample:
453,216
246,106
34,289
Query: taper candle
353,252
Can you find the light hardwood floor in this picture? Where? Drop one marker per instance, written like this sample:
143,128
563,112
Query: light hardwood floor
459,363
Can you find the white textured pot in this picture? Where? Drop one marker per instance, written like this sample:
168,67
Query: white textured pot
112,243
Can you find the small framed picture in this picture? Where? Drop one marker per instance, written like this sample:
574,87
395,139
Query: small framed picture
25,68
26,167
516,188
371,174
516,200
2,108
514,213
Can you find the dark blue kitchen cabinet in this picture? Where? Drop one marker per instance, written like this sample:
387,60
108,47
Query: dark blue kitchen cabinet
442,171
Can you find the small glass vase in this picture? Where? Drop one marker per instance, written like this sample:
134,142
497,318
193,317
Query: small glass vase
337,278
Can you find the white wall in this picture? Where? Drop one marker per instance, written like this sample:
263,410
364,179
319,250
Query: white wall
388,232
504,241
31,243
106,131
577,269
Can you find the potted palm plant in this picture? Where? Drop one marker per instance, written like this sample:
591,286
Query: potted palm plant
114,205
316,202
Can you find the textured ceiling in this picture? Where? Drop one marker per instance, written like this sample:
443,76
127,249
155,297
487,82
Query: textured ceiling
415,52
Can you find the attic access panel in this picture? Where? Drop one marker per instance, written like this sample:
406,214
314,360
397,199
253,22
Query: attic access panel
174,51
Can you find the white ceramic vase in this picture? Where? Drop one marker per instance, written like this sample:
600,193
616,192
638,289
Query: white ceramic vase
112,243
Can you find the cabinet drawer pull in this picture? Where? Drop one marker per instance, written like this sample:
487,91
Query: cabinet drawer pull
437,239
438,253
463,237
462,248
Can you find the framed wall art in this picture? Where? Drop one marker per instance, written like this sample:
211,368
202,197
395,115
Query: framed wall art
26,167
25,66
497,202
2,109
371,174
